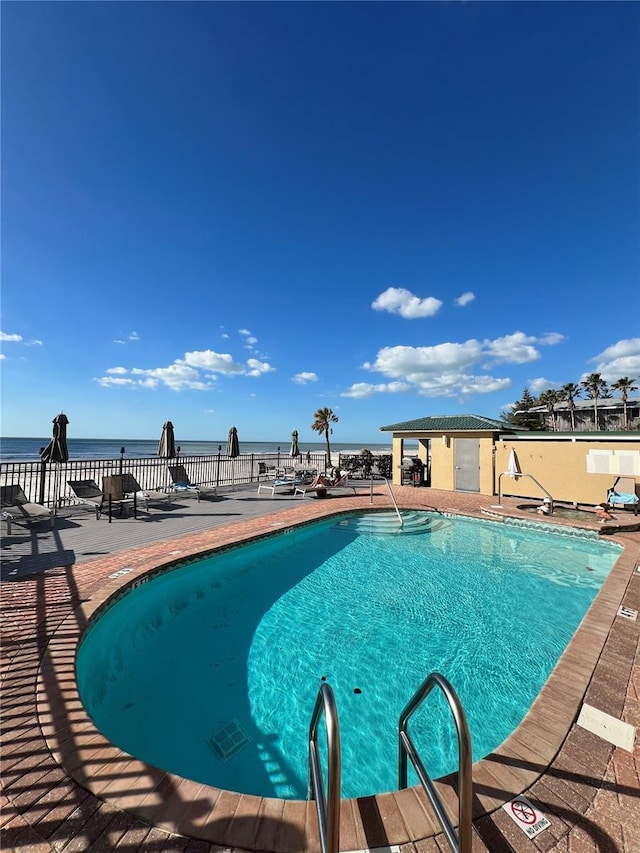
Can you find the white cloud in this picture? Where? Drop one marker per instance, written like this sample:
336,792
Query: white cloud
177,377
365,389
550,339
195,372
398,300
540,384
257,368
2,355
132,336
106,381
245,332
304,377
519,348
618,360
16,339
465,299
213,361
451,369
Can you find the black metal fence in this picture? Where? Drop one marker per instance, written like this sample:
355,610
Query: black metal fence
47,483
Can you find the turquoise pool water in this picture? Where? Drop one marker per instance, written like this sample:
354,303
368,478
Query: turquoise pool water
211,670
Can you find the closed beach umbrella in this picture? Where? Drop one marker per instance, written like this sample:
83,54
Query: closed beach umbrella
167,445
233,445
233,450
294,444
513,468
56,450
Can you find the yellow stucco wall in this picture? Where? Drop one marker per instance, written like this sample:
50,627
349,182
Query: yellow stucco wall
562,467
574,471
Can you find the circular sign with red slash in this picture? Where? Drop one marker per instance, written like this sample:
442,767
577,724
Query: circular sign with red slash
526,816
523,812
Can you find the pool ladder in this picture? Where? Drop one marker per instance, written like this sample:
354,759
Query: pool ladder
328,805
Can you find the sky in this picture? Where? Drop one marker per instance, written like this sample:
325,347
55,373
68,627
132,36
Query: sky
239,213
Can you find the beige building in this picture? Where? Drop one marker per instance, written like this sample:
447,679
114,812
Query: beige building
471,453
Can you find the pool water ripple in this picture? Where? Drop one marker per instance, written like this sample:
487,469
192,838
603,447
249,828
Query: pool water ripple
245,638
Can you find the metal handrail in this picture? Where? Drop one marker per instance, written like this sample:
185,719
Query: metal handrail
460,843
391,495
517,476
328,815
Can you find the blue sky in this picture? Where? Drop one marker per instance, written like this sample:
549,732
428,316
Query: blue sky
238,213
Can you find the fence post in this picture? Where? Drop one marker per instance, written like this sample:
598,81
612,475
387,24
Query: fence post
43,466
218,467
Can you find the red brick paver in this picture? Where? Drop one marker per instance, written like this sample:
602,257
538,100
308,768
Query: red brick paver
54,763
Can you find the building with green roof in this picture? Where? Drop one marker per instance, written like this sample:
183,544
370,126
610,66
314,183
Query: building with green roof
469,453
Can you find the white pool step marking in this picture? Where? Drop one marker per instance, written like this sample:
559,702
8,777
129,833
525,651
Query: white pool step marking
121,572
609,728
627,613
395,848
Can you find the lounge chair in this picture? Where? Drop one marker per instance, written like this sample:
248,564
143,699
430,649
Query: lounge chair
285,484
624,492
87,493
183,485
144,497
343,483
15,508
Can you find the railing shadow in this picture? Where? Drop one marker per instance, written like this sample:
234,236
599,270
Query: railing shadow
32,782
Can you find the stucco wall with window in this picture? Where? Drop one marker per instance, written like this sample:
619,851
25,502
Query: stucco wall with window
570,469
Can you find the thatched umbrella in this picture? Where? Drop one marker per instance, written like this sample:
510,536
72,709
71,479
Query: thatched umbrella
295,450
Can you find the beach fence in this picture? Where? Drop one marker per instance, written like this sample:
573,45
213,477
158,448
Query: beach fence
38,479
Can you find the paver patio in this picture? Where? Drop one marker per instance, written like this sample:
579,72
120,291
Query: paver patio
53,764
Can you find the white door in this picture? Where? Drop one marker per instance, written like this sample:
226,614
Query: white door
467,462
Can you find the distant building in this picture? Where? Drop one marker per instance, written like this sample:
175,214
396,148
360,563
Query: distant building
610,415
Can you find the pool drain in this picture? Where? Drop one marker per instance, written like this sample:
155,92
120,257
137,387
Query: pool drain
228,740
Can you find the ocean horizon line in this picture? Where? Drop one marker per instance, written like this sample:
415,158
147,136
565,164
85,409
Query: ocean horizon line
27,449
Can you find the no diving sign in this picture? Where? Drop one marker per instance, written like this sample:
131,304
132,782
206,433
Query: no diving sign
527,816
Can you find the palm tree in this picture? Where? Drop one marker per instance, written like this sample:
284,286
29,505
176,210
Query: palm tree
625,386
549,398
595,387
323,419
570,392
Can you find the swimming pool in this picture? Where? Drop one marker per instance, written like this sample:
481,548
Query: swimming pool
211,670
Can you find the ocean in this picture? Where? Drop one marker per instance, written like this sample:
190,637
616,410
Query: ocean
28,449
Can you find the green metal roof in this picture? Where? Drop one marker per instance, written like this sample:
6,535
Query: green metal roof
452,423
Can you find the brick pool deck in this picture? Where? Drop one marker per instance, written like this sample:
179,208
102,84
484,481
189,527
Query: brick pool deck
64,788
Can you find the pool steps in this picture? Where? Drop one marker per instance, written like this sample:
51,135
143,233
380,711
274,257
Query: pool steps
386,523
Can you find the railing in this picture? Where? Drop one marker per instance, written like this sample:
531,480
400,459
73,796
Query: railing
327,806
518,476
391,495
460,843
46,483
